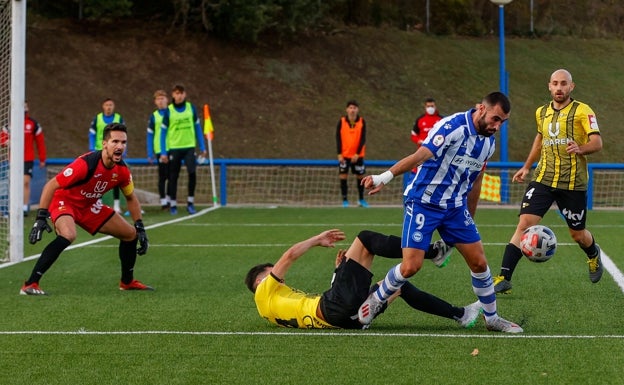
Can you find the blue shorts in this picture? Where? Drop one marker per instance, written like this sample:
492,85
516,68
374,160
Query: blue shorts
421,220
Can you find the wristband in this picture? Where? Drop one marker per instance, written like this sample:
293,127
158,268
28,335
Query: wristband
384,178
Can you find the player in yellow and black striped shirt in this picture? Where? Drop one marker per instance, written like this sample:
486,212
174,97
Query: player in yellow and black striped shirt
567,131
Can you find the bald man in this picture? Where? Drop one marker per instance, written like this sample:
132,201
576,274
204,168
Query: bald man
567,131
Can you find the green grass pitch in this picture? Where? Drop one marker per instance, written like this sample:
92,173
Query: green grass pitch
200,326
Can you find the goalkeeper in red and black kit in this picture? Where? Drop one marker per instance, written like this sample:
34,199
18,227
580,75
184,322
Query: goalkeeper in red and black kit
73,198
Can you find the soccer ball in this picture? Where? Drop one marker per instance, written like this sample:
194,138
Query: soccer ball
538,243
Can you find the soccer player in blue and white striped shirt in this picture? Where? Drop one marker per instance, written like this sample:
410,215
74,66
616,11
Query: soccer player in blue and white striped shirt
449,161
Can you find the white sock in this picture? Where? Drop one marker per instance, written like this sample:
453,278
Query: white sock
393,282
483,287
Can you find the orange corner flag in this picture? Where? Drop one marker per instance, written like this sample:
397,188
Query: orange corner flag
490,188
208,129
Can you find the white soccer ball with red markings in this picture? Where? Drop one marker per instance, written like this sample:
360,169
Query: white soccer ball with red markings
538,243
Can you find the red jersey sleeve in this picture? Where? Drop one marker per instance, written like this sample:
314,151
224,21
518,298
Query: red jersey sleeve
73,173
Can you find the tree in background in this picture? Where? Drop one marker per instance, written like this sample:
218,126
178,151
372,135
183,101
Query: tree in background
251,20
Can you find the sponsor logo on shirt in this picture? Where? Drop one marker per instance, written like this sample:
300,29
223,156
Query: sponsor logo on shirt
467,163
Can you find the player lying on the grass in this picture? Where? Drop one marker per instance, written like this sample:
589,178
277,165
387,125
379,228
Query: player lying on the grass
338,306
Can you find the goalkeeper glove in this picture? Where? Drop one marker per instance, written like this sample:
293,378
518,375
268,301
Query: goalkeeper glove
41,223
142,236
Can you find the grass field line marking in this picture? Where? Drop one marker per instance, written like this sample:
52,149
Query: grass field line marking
206,245
107,237
333,225
303,334
612,269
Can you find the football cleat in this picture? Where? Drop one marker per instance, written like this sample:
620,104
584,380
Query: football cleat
471,314
345,203
173,210
32,289
595,267
363,203
444,253
501,285
134,285
499,324
190,207
369,309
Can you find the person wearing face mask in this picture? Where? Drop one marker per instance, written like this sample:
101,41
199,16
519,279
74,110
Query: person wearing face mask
424,123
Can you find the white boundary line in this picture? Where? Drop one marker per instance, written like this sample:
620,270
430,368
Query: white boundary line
106,238
607,262
302,333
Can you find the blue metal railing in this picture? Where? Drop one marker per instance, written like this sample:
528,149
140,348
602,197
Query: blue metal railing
223,164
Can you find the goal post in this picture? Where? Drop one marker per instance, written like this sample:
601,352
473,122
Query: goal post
18,82
12,78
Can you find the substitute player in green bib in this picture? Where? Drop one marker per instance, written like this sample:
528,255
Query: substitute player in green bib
96,136
154,150
181,133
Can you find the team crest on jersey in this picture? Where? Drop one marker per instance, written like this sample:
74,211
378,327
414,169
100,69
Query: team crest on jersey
417,236
68,172
438,140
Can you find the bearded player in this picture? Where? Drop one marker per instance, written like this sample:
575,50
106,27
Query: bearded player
73,198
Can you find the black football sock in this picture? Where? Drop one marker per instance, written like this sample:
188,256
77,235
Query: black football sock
428,303
388,246
431,252
360,188
344,189
49,255
592,250
127,256
511,257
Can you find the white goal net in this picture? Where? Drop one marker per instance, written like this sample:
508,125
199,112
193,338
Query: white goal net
5,110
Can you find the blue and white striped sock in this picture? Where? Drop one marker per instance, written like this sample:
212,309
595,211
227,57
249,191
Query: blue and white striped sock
483,287
393,282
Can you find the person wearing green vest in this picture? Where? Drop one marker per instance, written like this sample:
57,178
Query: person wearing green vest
96,135
154,151
180,134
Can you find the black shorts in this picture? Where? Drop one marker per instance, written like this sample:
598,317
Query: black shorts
357,168
572,204
28,168
351,285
